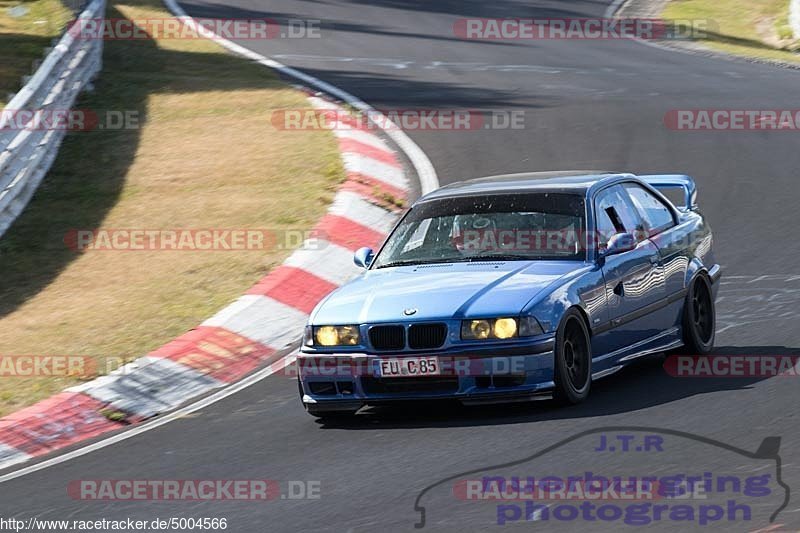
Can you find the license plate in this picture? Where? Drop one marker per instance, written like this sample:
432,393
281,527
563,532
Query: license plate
408,367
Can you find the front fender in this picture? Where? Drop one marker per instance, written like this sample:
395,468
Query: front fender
584,289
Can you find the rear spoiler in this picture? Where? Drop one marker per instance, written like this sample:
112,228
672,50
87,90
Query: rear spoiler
666,182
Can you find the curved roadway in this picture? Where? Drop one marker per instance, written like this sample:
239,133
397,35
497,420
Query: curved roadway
586,104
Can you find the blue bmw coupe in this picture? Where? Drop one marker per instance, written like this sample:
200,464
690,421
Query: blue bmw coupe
515,288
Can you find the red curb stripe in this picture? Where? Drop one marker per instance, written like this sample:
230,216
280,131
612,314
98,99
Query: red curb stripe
216,352
348,233
374,183
294,287
56,422
357,147
69,417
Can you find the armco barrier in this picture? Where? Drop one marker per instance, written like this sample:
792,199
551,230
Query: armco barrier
27,151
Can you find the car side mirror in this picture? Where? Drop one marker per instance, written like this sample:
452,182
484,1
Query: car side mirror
363,257
619,243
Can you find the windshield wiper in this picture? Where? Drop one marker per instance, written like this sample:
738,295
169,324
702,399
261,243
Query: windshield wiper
411,262
498,257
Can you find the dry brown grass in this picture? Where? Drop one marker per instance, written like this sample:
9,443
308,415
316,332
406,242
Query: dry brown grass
205,157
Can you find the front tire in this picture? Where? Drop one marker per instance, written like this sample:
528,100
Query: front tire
573,360
699,318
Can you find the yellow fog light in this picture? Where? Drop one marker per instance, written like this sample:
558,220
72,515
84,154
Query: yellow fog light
480,329
505,328
348,335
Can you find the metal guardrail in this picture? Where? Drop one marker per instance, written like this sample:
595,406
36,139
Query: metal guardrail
27,150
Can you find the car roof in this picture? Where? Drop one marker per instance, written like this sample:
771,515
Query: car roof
570,181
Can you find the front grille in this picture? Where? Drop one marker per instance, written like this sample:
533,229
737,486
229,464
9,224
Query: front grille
387,337
374,385
426,336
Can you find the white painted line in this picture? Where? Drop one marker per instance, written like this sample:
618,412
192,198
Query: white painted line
429,181
144,427
612,9
260,311
10,456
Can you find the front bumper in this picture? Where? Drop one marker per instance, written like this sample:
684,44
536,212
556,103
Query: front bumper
346,382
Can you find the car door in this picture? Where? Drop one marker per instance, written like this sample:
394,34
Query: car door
670,238
634,281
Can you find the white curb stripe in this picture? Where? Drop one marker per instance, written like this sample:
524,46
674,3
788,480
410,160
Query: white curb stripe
353,206
330,262
364,138
10,456
262,319
355,162
152,385
145,427
321,103
149,386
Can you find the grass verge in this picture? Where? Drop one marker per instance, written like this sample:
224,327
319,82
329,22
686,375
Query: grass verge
756,28
26,29
204,156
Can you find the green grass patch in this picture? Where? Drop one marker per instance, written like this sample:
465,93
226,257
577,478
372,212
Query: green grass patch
26,29
756,28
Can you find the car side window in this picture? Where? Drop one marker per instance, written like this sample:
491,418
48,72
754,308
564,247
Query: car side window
615,214
656,215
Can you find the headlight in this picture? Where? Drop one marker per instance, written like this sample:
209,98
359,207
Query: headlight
336,335
504,328
498,328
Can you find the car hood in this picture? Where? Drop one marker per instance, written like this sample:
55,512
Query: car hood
440,291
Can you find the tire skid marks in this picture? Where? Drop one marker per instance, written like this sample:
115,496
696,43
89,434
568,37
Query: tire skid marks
747,300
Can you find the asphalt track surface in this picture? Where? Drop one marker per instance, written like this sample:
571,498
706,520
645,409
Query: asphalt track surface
586,105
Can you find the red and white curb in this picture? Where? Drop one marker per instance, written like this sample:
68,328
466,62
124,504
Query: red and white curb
241,337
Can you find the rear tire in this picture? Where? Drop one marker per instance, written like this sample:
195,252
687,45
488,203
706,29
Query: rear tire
699,318
573,360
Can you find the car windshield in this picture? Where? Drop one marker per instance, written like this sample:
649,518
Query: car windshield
492,227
